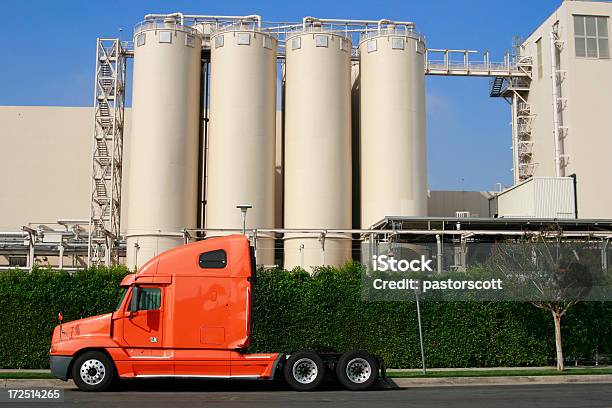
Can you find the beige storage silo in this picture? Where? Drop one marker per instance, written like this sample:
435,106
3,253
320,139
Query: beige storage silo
162,193
317,187
392,134
242,133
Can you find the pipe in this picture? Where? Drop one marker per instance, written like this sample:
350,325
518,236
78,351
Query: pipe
452,51
384,21
255,17
158,234
410,232
258,19
62,221
515,140
308,19
555,107
575,177
13,234
407,24
439,252
182,17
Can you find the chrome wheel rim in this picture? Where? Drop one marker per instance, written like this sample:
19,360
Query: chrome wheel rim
92,372
358,370
305,371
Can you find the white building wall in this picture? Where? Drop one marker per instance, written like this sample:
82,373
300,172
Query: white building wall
517,202
45,162
538,197
586,86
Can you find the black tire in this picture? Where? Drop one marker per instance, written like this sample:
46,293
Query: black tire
93,371
357,370
304,370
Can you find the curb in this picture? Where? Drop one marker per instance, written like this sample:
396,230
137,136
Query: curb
394,382
518,380
43,383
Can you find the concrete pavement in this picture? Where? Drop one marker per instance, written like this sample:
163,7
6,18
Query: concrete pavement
270,395
396,382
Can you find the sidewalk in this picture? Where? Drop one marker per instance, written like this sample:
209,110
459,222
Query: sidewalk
397,382
415,370
517,380
397,370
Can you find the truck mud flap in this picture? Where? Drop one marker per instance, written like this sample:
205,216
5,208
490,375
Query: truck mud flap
383,370
277,367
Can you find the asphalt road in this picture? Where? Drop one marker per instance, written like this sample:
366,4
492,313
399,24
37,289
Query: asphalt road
152,394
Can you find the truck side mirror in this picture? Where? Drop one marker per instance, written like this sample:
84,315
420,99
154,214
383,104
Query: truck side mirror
133,306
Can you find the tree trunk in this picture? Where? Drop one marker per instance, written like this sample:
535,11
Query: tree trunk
557,317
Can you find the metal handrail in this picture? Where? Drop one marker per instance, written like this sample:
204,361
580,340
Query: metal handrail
518,66
324,28
241,28
160,24
405,32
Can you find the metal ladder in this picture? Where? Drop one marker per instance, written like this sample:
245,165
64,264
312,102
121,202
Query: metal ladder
109,99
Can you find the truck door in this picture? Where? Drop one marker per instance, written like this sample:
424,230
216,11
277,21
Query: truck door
143,332
143,326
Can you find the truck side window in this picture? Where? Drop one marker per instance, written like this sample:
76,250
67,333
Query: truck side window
216,259
149,298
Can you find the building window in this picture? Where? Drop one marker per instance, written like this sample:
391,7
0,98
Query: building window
321,40
244,39
371,45
296,43
165,37
591,36
344,44
539,56
140,40
190,40
267,42
218,41
397,43
420,47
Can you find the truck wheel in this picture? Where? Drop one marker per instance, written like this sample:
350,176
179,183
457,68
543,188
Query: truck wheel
357,370
304,371
93,371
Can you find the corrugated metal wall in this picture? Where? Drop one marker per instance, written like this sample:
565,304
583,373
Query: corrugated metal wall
539,197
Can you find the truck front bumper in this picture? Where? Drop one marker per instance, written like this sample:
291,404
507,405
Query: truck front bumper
59,366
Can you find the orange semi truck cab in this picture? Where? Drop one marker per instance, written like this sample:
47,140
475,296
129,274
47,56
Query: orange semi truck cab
188,313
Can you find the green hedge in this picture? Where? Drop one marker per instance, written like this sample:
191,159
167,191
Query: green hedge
294,310
29,303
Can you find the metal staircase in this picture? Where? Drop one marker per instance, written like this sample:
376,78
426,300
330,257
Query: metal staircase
109,99
515,90
524,142
497,85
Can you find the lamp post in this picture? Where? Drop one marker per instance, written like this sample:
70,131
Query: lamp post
243,209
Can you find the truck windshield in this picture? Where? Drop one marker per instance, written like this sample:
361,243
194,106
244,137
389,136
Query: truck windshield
123,293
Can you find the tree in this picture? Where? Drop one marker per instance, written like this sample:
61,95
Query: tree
550,272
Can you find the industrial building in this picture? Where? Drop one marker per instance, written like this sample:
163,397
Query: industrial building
561,125
310,165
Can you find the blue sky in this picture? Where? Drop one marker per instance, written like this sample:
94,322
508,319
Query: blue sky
48,50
